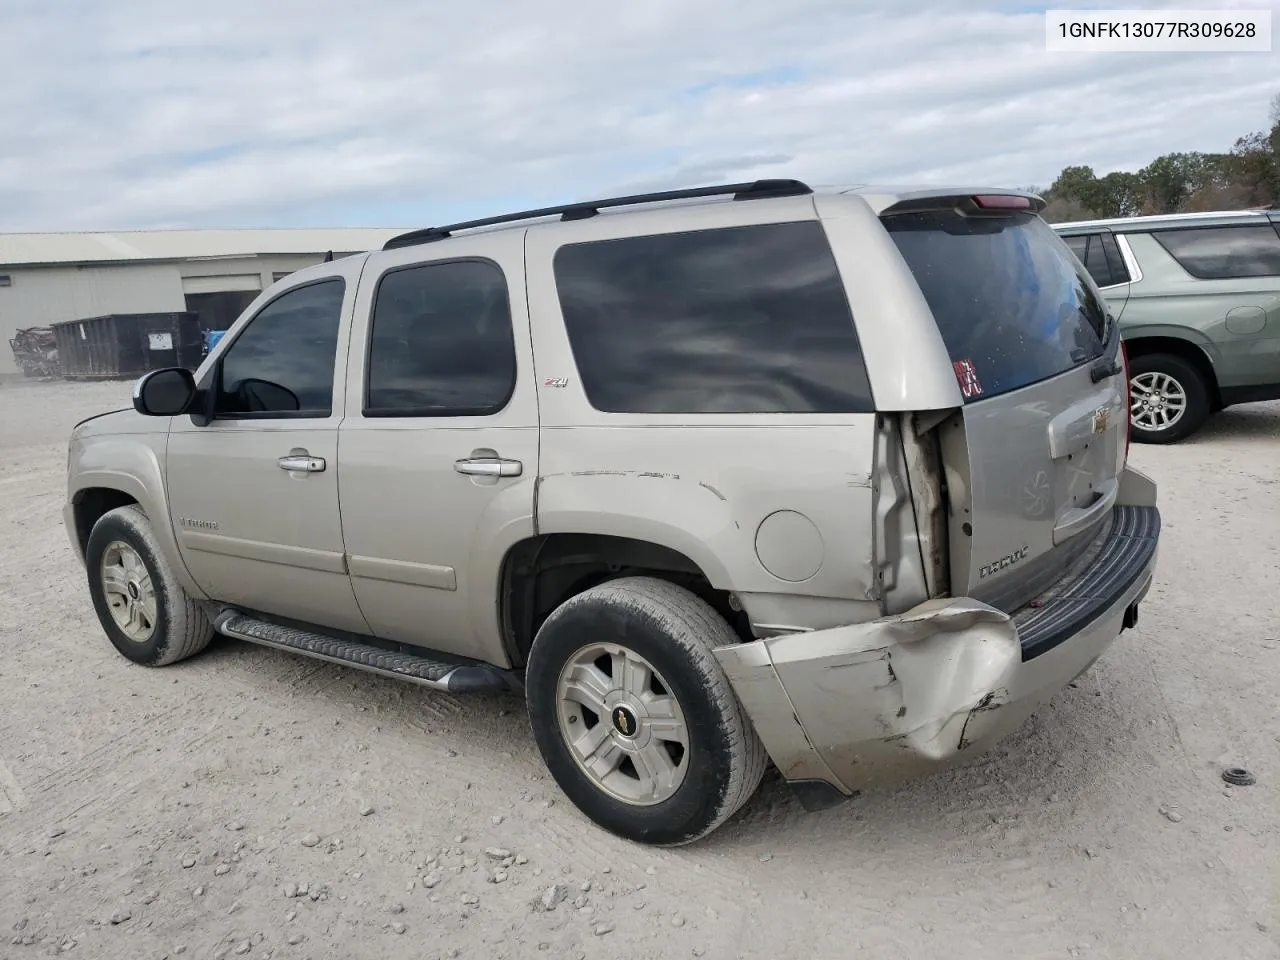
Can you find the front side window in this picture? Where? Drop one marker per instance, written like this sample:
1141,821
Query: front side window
441,342
735,320
1224,253
282,363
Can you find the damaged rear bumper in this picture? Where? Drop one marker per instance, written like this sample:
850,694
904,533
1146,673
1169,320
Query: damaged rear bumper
871,704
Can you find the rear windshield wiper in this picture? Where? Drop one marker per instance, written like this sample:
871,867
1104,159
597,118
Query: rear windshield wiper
1108,365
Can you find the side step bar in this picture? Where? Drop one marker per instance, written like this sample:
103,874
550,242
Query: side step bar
439,675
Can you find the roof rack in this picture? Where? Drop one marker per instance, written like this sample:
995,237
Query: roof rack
756,190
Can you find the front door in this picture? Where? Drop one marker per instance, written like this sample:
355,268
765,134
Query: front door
440,446
254,493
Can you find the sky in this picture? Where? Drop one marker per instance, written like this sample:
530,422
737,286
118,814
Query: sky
143,114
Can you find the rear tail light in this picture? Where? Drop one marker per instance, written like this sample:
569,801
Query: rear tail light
1128,400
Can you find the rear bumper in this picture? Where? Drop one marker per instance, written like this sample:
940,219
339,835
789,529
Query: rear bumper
871,704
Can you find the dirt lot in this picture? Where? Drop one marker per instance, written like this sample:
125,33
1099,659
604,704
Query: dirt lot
221,807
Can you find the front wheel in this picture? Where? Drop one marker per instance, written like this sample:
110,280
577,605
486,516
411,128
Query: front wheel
633,715
141,605
1169,398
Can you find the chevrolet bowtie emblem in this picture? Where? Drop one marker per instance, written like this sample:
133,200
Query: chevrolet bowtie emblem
622,720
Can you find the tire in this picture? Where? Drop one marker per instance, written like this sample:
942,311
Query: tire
658,625
1160,378
169,628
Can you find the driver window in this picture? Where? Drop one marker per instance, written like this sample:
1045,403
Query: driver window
282,363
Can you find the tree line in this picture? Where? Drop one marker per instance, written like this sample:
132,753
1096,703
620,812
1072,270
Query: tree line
1246,177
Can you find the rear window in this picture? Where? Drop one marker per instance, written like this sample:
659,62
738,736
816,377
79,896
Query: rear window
1225,253
1013,306
735,320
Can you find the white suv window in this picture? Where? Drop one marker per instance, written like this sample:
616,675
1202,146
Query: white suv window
281,363
730,320
441,342
1012,307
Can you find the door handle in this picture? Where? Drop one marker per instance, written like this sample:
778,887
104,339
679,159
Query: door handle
1081,518
301,464
489,467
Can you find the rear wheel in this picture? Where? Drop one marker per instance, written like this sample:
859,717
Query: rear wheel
633,715
1169,398
143,609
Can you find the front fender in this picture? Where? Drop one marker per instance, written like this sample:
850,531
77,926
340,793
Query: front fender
131,464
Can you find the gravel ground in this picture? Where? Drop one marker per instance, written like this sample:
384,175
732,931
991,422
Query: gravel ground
251,803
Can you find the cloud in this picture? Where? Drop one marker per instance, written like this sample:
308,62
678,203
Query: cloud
177,113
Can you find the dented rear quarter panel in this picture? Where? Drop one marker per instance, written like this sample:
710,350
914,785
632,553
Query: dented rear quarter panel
871,704
708,490
877,701
722,489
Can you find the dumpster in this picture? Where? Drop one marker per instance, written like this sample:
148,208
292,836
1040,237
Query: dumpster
126,345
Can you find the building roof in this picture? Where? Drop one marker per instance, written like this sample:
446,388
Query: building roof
133,245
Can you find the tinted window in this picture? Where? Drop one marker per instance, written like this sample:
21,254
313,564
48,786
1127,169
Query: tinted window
282,363
740,320
1101,257
1223,253
1013,308
1080,247
441,342
1115,259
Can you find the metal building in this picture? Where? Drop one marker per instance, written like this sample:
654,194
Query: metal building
46,278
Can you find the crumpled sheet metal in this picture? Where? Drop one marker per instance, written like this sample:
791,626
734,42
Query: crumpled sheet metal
877,702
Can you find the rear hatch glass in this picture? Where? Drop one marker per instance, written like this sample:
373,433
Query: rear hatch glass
1038,447
1011,305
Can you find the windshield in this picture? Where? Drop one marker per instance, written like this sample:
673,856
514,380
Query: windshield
1010,301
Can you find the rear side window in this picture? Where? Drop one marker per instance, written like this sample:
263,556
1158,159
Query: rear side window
737,320
1012,306
1224,253
1101,256
441,343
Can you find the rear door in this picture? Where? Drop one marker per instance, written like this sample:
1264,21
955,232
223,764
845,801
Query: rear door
440,444
1233,298
1033,457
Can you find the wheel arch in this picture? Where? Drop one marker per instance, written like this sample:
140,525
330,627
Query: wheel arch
90,504
1147,344
541,572
94,493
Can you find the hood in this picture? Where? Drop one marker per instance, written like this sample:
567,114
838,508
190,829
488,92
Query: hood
126,420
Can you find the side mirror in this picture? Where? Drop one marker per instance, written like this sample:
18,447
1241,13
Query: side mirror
164,393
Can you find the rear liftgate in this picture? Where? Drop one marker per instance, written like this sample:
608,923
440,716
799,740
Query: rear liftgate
1027,527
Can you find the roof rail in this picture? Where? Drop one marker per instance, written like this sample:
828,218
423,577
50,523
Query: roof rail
757,190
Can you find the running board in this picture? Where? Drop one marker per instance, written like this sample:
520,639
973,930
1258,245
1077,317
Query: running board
439,675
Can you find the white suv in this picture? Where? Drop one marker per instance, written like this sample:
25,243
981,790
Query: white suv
835,479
